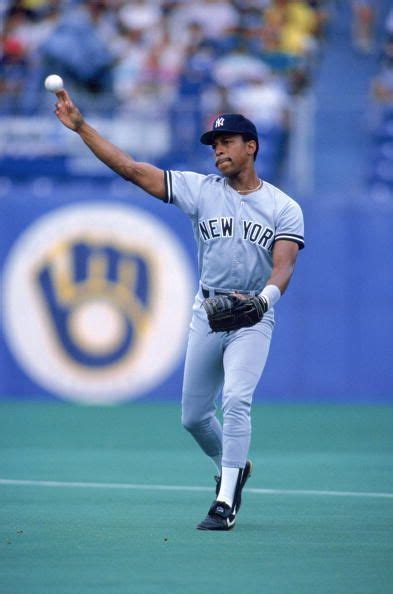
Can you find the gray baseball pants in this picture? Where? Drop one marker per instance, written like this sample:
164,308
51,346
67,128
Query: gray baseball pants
227,363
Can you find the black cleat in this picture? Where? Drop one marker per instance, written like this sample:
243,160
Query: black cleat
244,477
219,517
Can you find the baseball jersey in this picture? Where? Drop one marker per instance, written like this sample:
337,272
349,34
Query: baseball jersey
234,233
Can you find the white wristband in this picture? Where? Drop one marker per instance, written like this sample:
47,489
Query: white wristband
272,293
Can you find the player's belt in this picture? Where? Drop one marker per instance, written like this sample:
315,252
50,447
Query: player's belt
212,292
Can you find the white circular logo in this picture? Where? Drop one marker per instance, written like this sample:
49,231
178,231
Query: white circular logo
88,302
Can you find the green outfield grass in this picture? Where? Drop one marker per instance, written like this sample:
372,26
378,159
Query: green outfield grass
326,526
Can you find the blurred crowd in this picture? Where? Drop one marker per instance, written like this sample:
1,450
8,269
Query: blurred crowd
185,61
148,55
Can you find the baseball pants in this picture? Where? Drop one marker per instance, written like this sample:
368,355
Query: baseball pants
227,363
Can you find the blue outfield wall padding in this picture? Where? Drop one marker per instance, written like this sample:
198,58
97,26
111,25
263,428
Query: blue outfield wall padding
331,343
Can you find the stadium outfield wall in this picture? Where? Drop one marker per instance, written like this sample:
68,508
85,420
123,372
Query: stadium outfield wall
98,282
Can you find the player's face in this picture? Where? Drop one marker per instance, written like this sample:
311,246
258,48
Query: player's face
231,153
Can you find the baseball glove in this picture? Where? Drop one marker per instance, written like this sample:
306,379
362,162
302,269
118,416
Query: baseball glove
231,312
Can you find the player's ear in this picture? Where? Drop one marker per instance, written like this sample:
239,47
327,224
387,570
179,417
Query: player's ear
251,147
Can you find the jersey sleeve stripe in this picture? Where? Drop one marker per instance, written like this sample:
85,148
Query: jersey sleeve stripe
168,187
291,237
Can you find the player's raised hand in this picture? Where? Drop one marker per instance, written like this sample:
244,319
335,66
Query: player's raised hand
67,112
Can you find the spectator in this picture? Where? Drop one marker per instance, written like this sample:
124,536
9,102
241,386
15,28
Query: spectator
217,18
141,15
87,66
363,20
265,100
14,62
187,110
290,27
13,75
382,84
238,66
131,49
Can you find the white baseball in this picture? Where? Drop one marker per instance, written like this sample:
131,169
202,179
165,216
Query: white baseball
54,83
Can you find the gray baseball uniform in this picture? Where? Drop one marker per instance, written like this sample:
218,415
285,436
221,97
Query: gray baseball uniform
235,235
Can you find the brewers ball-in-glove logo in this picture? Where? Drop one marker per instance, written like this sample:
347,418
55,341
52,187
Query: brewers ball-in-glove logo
97,301
87,302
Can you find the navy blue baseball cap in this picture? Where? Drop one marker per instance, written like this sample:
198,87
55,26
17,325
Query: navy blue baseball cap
230,123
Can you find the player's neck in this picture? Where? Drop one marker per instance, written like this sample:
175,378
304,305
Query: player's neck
245,182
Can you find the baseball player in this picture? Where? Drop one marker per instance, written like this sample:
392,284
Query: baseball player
248,235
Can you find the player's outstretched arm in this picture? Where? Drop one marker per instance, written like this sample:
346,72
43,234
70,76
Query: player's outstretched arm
144,175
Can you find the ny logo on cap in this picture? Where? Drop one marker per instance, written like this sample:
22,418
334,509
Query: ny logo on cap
219,122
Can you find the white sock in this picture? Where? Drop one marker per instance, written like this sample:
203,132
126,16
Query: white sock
217,461
229,478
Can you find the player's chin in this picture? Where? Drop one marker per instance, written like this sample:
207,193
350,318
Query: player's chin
225,167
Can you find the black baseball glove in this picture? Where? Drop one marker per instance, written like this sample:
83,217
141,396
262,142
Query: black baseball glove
234,311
